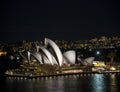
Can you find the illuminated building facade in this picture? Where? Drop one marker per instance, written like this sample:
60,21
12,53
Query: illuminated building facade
53,55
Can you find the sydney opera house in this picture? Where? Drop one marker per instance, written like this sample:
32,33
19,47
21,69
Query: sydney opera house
49,58
51,54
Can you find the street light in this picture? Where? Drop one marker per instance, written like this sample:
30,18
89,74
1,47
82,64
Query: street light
98,55
98,52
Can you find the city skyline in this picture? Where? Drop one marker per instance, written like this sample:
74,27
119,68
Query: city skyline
58,20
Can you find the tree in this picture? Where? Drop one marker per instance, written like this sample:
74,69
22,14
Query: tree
112,56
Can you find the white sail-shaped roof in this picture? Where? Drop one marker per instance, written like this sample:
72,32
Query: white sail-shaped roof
69,57
56,50
47,53
36,55
46,60
87,61
90,60
37,47
54,60
28,56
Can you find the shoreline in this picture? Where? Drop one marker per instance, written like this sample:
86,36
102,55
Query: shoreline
60,74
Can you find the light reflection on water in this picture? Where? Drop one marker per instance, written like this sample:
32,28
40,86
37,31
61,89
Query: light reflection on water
91,83
98,83
113,82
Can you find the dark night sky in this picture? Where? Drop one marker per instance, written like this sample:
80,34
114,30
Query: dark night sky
34,20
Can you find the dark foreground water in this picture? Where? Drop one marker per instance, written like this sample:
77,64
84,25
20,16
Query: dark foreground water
88,83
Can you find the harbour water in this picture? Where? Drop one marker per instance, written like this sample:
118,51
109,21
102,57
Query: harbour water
86,83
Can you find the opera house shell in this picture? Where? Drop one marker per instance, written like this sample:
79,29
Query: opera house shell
87,61
51,56
69,57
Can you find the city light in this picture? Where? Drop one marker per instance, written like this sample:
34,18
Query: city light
3,53
98,52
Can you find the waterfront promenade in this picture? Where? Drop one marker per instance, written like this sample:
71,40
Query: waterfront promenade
23,76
